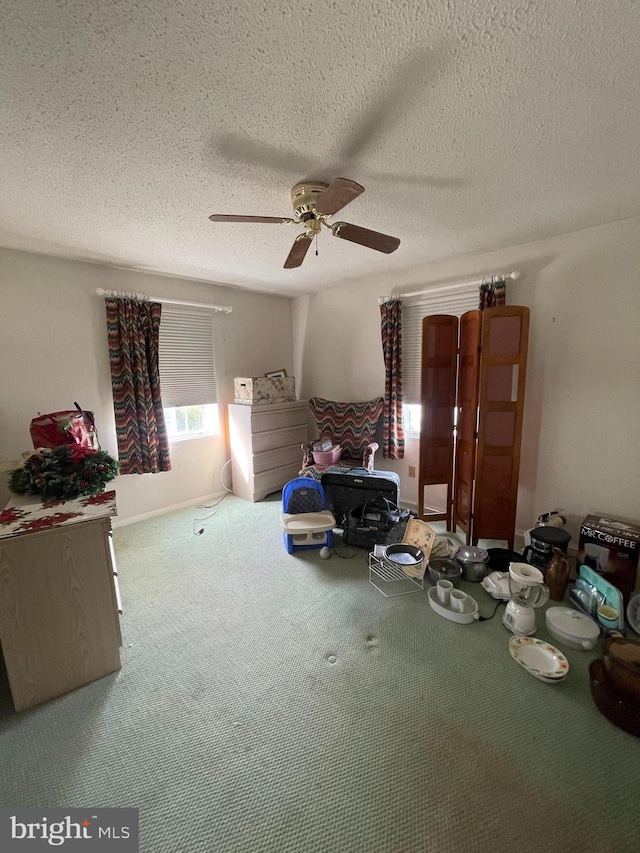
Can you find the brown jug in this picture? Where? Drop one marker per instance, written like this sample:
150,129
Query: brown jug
557,574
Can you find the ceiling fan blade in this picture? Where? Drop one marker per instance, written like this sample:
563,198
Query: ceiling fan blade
365,237
298,251
337,195
223,217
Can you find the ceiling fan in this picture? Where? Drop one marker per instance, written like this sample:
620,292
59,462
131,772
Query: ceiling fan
313,203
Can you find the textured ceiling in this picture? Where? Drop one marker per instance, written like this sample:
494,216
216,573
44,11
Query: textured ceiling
472,124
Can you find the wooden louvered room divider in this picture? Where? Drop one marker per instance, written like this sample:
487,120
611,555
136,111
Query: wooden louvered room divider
437,398
472,396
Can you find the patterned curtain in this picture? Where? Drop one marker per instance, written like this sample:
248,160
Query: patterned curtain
492,294
391,328
133,328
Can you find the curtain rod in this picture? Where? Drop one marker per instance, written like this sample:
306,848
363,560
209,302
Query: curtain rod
144,297
489,279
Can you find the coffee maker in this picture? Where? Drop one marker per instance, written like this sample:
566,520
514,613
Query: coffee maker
543,540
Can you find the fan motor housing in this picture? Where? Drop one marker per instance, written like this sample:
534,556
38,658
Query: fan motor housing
303,198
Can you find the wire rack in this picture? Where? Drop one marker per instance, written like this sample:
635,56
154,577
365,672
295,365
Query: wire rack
391,580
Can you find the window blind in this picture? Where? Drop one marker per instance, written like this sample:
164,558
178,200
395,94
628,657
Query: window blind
456,300
187,367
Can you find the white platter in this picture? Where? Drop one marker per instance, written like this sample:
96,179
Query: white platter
468,614
548,680
633,612
541,660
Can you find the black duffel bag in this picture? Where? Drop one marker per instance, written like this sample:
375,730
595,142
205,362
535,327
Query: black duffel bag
369,524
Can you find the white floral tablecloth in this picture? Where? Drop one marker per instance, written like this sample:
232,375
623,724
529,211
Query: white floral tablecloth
30,517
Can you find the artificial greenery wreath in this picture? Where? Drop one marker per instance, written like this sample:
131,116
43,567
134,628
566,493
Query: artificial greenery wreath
64,472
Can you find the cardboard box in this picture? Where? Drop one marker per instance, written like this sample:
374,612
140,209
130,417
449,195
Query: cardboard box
262,389
611,547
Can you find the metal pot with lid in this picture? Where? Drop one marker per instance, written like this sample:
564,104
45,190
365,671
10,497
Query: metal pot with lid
444,568
474,562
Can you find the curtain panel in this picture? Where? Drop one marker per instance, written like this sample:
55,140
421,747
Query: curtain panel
492,294
391,329
133,329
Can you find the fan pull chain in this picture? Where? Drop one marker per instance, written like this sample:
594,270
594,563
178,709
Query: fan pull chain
316,245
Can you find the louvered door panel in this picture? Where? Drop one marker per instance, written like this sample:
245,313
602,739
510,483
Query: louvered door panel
437,395
503,363
467,408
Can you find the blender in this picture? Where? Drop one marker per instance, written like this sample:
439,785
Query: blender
528,591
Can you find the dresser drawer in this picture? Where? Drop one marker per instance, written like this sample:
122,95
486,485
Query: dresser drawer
266,446
270,481
278,418
273,439
291,455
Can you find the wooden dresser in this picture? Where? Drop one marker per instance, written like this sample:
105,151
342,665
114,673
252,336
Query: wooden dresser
59,598
265,446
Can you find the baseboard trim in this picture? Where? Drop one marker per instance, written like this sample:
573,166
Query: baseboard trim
134,519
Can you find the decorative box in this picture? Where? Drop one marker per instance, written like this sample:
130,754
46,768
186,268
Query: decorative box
262,389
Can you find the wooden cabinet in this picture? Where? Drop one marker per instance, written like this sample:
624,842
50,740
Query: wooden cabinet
475,369
59,609
265,446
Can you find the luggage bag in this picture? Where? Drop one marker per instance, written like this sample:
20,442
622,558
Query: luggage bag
355,488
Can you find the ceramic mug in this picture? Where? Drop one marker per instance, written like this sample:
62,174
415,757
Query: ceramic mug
444,590
457,600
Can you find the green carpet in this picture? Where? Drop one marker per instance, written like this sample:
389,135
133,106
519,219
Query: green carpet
280,703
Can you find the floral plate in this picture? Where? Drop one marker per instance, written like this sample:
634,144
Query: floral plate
539,658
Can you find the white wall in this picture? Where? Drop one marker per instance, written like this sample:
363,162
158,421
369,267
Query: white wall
53,351
581,450
580,447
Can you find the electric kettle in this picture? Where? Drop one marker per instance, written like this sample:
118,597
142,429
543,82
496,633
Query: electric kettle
528,591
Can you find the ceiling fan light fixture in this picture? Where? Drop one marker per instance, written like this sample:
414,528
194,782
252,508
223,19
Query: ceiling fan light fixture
304,196
313,203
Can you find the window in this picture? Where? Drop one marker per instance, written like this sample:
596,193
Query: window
411,418
191,421
456,299
187,372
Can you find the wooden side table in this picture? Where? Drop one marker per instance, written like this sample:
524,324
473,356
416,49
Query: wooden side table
59,609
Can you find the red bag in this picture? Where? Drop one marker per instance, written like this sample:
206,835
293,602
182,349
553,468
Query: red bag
57,428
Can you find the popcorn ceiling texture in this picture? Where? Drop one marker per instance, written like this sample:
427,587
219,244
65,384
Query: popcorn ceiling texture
472,125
